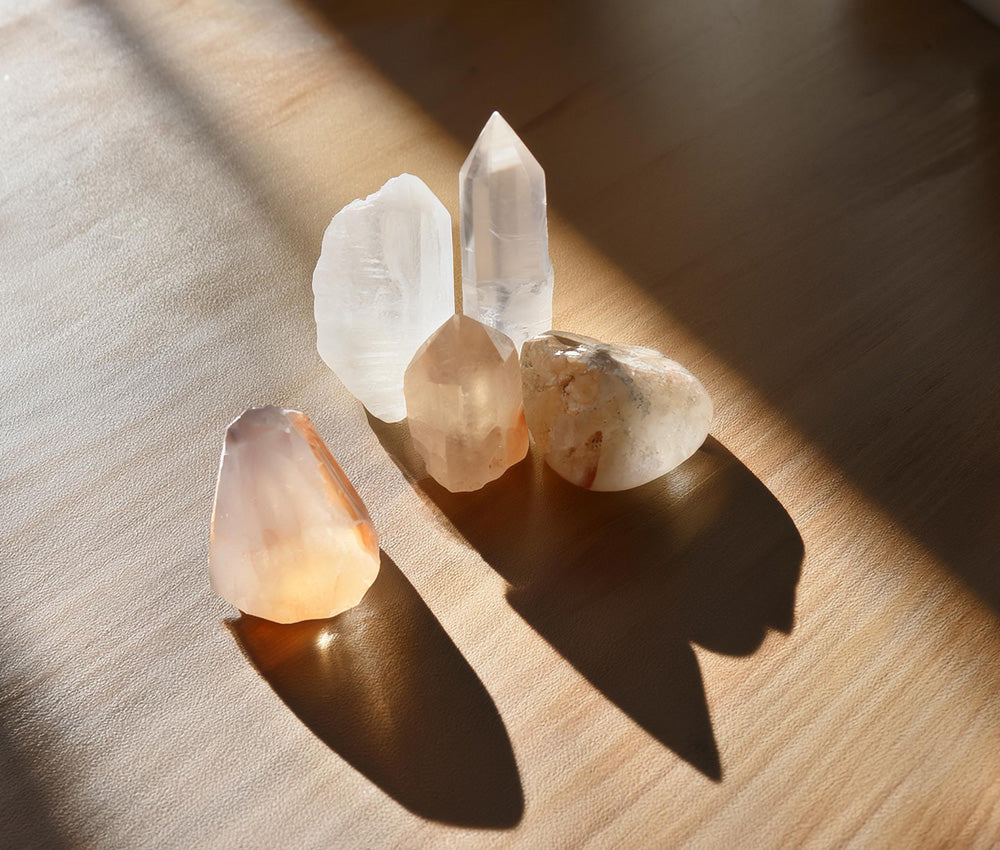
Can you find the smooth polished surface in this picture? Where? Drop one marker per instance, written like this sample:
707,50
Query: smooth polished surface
797,201
607,416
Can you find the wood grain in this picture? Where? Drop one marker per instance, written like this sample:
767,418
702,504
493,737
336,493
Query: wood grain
791,641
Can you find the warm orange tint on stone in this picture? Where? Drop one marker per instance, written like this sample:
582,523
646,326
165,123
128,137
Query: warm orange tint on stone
291,538
463,404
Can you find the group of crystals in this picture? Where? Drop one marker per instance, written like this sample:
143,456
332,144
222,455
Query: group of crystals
291,538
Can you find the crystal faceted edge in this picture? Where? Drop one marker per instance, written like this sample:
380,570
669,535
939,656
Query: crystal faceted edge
463,394
290,538
507,278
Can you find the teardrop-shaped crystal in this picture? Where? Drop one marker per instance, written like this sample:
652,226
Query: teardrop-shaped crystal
291,539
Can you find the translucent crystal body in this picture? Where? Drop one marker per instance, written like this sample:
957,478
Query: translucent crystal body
384,281
506,272
291,539
610,417
463,395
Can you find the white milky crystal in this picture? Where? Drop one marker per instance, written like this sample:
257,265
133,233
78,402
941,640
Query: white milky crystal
383,283
506,272
291,539
610,417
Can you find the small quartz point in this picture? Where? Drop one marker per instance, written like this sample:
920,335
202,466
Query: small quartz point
291,539
463,396
610,417
506,272
383,283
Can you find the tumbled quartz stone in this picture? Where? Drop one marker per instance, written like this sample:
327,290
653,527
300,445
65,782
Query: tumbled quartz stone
291,539
384,281
610,417
463,397
506,272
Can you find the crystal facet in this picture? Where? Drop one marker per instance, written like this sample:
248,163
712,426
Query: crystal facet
610,417
463,397
506,272
291,538
384,281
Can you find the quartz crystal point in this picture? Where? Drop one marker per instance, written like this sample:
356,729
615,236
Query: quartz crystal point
610,417
383,283
463,397
506,272
291,539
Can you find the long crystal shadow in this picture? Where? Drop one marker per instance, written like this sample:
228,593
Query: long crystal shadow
384,686
25,807
838,251
622,584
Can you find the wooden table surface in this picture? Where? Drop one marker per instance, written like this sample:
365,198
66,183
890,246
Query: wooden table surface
790,641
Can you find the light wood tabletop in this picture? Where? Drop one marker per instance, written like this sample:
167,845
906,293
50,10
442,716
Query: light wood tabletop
790,641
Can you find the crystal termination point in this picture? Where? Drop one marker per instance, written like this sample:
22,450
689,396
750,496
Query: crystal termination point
506,272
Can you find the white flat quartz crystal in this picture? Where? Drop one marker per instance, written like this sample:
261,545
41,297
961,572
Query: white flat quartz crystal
291,539
383,283
610,417
506,271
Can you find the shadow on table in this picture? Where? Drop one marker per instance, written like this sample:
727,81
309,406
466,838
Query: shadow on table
384,686
811,194
26,807
622,584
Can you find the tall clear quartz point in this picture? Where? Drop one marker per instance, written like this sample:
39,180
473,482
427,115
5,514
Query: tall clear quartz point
506,271
383,283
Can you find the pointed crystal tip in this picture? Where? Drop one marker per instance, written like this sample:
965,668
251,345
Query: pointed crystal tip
506,272
498,124
501,148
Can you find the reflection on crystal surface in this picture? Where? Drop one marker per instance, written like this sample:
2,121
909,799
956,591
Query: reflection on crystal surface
383,283
506,272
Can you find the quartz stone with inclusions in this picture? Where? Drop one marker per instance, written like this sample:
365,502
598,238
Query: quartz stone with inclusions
291,539
463,398
506,272
383,283
610,417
